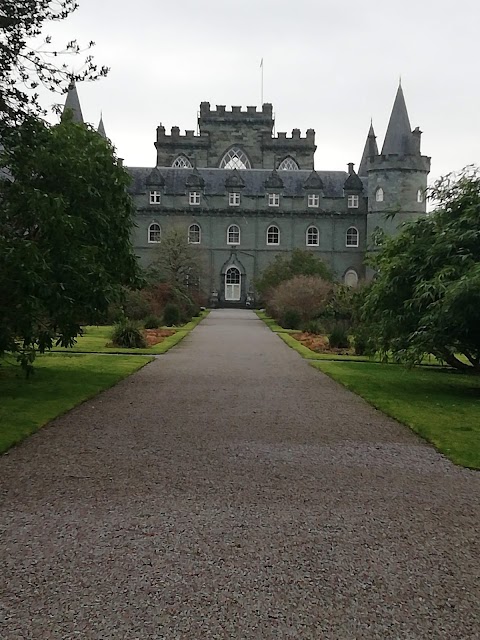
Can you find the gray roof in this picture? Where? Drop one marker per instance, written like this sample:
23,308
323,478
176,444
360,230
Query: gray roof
254,179
101,128
370,149
73,103
398,138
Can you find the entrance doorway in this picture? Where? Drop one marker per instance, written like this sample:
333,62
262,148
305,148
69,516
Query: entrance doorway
233,284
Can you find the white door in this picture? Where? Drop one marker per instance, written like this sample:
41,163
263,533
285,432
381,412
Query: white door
232,284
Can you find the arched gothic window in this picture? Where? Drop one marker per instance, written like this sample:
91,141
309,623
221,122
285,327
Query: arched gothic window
273,234
194,234
379,194
154,232
233,283
182,162
351,238
288,164
313,237
233,234
351,278
235,158
420,195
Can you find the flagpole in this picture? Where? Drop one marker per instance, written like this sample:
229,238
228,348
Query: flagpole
261,83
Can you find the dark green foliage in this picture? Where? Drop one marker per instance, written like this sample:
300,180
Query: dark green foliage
426,296
338,338
171,314
291,319
127,334
296,263
65,225
314,326
135,305
152,322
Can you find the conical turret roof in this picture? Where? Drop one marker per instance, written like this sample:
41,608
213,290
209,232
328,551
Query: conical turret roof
398,138
72,103
101,128
371,149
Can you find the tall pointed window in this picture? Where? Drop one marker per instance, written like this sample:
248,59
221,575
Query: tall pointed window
420,195
154,232
288,164
194,234
182,162
379,194
313,237
235,158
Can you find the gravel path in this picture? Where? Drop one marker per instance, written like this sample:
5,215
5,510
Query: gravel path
229,490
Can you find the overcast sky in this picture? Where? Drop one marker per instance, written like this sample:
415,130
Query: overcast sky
328,65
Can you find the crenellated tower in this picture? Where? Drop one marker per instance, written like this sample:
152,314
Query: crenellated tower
397,177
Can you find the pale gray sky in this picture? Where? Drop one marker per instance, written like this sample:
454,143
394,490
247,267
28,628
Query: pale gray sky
328,65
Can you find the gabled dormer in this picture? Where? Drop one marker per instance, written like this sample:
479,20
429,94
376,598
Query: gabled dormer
274,189
353,188
155,184
313,186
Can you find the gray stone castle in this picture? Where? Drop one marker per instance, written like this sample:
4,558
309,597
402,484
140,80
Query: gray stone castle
244,195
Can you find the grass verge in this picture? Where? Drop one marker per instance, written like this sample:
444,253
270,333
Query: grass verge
60,382
272,324
95,339
440,405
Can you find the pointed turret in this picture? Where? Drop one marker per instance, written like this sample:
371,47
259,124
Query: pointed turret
72,103
101,127
398,138
371,149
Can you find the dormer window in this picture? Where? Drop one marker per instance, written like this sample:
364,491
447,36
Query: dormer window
313,200
379,194
155,197
352,202
273,199
194,198
420,195
234,199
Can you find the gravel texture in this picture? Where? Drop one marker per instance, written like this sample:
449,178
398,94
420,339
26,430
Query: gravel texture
229,490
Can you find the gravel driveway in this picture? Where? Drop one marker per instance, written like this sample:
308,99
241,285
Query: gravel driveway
229,490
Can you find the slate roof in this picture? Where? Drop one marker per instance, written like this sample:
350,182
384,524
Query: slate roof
398,138
370,149
254,179
73,103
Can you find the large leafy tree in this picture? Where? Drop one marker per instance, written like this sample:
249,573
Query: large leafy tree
26,61
177,261
426,295
65,223
285,267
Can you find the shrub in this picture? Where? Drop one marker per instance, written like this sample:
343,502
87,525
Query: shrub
291,319
338,338
307,295
362,341
314,326
171,314
135,305
127,334
152,322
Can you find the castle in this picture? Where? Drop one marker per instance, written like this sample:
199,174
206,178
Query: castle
244,195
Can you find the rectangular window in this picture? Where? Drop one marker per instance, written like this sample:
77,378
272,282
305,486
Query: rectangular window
234,199
155,197
313,200
194,198
352,202
273,199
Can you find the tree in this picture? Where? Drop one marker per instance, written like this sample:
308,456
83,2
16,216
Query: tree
426,295
297,263
65,223
23,67
177,262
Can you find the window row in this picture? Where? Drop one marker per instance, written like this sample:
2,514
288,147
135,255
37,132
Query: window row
312,235
380,195
234,198
235,158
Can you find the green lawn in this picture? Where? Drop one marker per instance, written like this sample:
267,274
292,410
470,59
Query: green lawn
60,382
439,404
95,339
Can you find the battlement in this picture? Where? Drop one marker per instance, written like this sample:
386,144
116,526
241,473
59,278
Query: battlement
296,141
175,137
221,113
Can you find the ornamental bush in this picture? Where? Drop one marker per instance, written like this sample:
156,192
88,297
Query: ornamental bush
127,334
